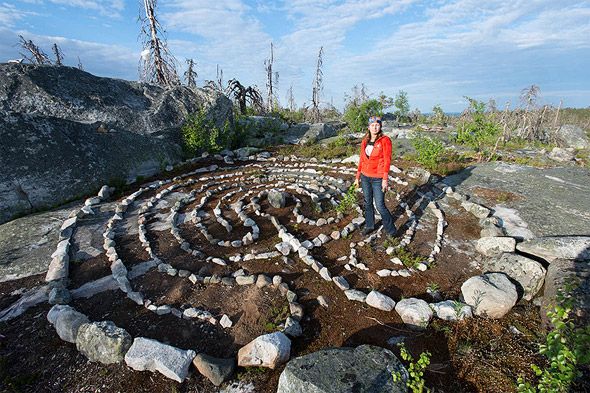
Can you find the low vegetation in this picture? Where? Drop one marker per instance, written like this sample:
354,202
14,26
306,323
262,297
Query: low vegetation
199,134
566,349
416,368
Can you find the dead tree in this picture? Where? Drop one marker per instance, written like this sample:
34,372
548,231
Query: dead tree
272,80
36,54
190,75
59,56
291,99
317,88
157,64
80,66
242,94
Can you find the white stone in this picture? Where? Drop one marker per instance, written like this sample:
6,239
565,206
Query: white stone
491,246
341,282
384,272
269,350
414,312
450,310
356,295
152,355
325,274
225,321
380,301
490,295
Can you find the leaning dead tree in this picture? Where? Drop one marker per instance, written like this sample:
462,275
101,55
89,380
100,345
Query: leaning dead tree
190,75
35,54
157,64
59,56
272,80
317,88
80,66
243,94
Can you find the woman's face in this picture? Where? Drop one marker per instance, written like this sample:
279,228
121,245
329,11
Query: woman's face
374,128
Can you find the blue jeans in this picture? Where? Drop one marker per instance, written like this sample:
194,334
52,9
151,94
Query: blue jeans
372,189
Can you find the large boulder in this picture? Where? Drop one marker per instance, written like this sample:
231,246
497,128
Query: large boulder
316,132
557,247
562,155
103,342
491,246
572,136
215,369
561,274
152,355
262,131
490,295
67,321
363,369
64,133
528,273
269,350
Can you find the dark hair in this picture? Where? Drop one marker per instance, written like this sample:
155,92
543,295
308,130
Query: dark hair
379,134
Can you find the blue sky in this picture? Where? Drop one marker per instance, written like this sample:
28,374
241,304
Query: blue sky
437,51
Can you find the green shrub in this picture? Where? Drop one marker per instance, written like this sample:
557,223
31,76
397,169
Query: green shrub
348,201
201,134
429,151
438,116
415,370
357,116
480,131
566,348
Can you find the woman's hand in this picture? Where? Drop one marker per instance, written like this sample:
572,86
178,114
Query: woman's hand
384,185
356,183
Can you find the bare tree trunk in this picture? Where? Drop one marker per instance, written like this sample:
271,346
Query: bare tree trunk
269,79
557,115
191,75
159,65
317,88
59,56
37,55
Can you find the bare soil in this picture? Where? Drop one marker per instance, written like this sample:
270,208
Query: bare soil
475,355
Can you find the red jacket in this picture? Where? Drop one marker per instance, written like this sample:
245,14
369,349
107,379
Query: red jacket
377,165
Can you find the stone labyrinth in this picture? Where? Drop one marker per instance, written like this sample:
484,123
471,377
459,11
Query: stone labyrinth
227,226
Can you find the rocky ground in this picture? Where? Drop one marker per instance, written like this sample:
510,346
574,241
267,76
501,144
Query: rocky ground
223,251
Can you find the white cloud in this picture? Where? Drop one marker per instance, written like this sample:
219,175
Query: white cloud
109,8
233,38
9,15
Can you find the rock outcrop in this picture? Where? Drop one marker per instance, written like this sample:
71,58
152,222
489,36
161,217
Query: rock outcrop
64,132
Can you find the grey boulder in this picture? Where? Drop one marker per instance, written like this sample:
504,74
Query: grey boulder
528,273
277,199
573,136
337,370
269,350
103,342
67,321
414,312
558,247
214,369
152,355
490,295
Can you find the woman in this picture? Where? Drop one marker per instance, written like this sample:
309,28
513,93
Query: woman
372,173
